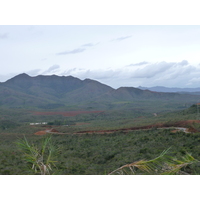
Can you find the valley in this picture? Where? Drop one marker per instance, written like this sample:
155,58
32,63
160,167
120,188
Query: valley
97,128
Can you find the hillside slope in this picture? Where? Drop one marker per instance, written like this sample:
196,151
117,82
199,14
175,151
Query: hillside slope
54,91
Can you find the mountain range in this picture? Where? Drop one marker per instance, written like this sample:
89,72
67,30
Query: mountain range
56,91
166,89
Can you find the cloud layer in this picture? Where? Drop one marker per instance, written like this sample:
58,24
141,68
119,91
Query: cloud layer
52,69
79,50
122,38
138,64
89,45
169,74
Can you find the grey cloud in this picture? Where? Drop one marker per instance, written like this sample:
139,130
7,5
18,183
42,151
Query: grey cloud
148,72
152,70
89,45
79,50
194,80
52,69
179,71
164,71
177,76
122,38
184,62
68,72
138,64
168,74
4,36
93,74
101,75
189,69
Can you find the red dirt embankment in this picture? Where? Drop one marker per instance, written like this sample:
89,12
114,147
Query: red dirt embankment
40,133
184,124
46,131
67,113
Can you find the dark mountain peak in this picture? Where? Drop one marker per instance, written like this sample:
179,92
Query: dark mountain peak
46,76
55,77
87,80
44,83
131,92
94,83
21,80
20,77
70,77
128,89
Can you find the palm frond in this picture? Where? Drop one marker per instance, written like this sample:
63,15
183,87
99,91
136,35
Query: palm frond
176,166
40,158
163,164
143,165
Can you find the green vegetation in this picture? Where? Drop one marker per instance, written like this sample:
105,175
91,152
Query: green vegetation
102,153
120,126
39,157
162,165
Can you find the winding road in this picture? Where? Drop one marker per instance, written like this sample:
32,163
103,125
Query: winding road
185,130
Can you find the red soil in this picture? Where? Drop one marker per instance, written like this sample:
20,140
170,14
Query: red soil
53,130
66,113
46,131
40,133
184,124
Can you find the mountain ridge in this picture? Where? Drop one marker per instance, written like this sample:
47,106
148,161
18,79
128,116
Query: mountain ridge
169,89
39,91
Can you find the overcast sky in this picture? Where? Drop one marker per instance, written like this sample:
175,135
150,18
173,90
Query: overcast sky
122,55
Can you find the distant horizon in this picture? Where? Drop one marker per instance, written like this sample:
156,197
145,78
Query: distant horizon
117,55
101,81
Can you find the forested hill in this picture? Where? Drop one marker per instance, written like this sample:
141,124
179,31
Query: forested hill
23,90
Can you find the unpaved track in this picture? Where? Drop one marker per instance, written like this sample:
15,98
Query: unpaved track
123,130
179,126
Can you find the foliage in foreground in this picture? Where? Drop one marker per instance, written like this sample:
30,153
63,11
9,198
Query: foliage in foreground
100,154
162,165
41,160
39,156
